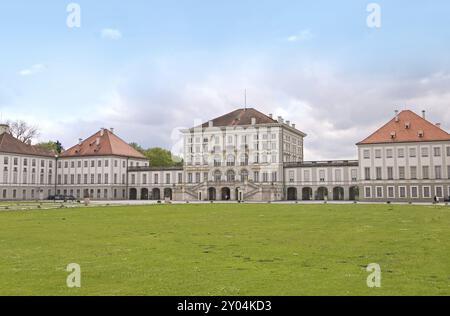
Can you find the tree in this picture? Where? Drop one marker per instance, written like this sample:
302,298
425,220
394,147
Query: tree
137,147
50,145
159,157
23,131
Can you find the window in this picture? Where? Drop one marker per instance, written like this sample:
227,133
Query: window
427,192
378,153
413,172
448,172
401,173
437,151
168,178
190,177
402,192
265,177
426,172
440,192
133,179
354,175
92,179
448,151
414,192
156,179
106,177
99,179
291,176
144,178
412,152
401,153
368,192
390,172
379,173
425,152
256,176
438,172
389,153
367,173
338,175
379,192
366,154
391,192
5,161
180,178
322,175
274,176
306,176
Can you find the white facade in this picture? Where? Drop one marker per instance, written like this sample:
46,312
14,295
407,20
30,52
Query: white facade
405,171
24,177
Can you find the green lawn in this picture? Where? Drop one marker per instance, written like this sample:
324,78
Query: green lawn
225,249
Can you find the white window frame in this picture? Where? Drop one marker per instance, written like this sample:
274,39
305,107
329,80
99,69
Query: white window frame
376,192
365,192
399,192
442,190
423,191
393,191
411,191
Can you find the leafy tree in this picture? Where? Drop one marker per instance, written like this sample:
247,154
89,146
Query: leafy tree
23,131
159,157
50,145
138,147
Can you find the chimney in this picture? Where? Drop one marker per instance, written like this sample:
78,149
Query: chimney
271,116
253,121
280,119
293,125
211,124
397,119
424,114
112,130
288,122
4,128
80,140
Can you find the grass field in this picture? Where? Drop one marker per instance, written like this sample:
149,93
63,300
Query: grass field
227,250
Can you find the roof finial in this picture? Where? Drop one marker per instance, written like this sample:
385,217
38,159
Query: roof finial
245,98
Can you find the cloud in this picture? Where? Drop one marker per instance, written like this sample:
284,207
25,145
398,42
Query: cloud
303,36
111,34
35,69
336,107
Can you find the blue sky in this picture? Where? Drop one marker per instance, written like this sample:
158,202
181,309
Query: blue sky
149,67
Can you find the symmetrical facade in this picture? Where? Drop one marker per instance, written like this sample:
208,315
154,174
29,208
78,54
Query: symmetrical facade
244,155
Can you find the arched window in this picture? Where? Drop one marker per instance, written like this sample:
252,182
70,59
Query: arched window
217,176
244,175
217,161
244,160
231,176
230,161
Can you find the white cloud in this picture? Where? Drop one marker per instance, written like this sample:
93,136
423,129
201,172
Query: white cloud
304,35
111,34
35,69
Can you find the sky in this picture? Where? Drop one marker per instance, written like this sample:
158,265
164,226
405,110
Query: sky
150,68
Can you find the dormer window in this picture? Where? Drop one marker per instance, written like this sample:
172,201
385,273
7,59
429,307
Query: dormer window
408,125
421,134
393,135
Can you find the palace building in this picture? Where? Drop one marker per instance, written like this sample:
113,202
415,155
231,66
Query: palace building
244,155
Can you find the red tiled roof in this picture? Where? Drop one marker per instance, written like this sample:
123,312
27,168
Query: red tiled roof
409,127
11,145
241,117
108,145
